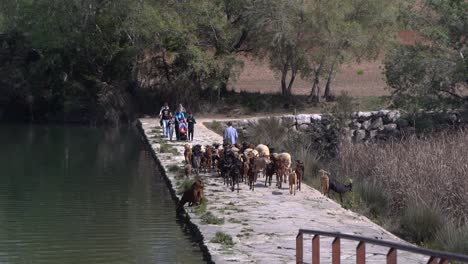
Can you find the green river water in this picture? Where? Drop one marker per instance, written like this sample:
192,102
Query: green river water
73,194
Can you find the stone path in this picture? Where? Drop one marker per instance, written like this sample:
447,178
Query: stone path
264,223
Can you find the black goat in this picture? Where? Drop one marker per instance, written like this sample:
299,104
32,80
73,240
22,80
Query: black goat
340,188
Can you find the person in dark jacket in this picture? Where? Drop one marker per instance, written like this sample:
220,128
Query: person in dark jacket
191,125
164,115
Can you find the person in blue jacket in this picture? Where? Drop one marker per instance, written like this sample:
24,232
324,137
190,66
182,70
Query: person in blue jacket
179,115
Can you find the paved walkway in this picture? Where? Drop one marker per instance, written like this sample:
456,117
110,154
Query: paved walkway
264,223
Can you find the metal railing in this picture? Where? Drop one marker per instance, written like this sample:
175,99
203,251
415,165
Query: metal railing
434,256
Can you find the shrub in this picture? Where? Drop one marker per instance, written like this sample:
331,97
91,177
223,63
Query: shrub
174,168
185,185
343,108
268,131
166,148
453,238
201,208
420,222
223,238
215,126
373,194
210,219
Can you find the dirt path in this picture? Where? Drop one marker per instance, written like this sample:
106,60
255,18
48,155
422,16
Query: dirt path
264,223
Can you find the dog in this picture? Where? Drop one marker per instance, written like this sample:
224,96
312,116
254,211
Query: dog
192,196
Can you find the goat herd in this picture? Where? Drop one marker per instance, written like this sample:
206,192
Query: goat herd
236,164
244,163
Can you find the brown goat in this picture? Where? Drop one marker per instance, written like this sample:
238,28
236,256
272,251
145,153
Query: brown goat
188,170
188,154
208,158
292,181
324,182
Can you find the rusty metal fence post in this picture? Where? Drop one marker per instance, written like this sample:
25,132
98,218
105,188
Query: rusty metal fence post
434,256
316,249
361,253
299,248
336,251
392,256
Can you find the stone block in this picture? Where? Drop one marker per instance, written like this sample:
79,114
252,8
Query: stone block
359,135
288,120
355,125
366,124
377,124
304,127
303,119
390,127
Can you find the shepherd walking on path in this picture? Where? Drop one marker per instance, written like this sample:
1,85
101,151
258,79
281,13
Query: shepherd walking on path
230,134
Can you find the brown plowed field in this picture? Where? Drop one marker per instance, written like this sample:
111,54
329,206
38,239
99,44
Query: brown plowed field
256,76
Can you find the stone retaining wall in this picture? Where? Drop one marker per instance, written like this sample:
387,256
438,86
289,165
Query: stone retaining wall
363,126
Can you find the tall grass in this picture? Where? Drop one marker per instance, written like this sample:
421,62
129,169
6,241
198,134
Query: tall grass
423,181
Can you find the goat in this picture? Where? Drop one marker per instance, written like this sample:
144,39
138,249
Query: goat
188,154
340,188
300,173
292,181
208,158
188,170
328,184
196,159
263,150
324,182
234,173
269,171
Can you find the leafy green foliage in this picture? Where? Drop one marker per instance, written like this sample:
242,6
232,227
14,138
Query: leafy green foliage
210,219
222,238
431,73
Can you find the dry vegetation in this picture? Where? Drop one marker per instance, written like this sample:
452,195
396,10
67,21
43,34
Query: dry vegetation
417,187
421,184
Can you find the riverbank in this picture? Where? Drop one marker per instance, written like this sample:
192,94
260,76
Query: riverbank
263,224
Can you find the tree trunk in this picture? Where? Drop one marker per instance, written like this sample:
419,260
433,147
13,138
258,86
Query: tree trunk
291,81
327,94
222,89
284,89
315,92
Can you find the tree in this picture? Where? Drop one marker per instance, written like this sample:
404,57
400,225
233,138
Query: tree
433,72
280,29
342,31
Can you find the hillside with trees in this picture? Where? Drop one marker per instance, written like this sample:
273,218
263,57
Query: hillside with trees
100,62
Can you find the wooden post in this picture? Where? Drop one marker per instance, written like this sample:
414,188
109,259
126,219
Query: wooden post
392,256
336,251
299,249
361,253
443,261
316,250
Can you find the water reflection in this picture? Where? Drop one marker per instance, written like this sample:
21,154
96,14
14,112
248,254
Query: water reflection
85,195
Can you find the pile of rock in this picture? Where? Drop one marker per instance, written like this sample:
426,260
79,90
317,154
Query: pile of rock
377,125
362,127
